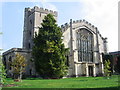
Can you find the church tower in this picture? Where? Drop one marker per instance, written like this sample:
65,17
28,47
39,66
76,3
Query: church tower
32,21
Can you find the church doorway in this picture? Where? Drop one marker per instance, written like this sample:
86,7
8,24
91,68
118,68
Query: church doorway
90,70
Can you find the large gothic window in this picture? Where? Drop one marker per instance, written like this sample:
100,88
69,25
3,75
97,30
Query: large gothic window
85,45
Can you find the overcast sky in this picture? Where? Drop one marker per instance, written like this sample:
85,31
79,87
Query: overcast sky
103,14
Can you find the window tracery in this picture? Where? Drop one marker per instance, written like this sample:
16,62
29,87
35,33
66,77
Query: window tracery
85,46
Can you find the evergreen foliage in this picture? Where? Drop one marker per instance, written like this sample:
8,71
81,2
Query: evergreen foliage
49,51
18,66
107,68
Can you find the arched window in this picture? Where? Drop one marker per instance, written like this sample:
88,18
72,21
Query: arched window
29,45
4,61
10,61
30,33
85,45
30,21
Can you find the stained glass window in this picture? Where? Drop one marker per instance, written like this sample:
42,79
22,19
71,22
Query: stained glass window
85,45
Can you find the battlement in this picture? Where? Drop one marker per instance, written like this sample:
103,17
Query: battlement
41,10
83,22
65,26
86,23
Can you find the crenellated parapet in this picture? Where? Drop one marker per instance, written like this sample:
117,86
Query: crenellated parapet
65,27
105,40
85,23
41,10
78,23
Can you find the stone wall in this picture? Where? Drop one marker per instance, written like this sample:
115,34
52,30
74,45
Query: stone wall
9,56
99,46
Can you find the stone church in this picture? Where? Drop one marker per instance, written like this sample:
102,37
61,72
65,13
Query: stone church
85,42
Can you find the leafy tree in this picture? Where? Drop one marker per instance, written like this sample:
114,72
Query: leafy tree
107,68
2,72
18,66
49,51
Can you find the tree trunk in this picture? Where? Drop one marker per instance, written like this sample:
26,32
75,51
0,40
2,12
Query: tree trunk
17,77
20,77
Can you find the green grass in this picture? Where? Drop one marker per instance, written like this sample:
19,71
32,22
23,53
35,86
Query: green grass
80,82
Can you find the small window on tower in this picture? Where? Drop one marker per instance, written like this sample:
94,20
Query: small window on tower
29,46
4,61
10,60
30,33
30,21
40,14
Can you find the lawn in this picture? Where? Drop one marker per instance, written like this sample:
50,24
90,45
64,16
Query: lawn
80,82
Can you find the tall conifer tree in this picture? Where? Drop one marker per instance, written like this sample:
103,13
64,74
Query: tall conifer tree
49,51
